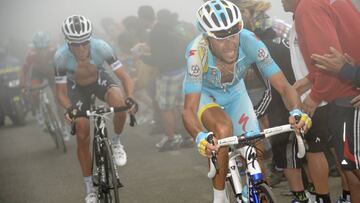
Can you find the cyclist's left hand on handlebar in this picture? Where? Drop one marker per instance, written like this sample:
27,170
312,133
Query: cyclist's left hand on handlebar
204,147
70,114
132,104
300,120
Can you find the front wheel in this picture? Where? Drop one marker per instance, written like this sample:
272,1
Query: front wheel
230,192
112,194
264,193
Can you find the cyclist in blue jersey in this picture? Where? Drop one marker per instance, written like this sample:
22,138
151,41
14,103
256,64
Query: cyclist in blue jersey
80,73
216,100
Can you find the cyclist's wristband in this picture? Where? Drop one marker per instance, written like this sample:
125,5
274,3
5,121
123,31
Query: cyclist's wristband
201,136
296,112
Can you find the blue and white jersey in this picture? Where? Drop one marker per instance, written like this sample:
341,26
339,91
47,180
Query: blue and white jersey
203,77
100,52
202,72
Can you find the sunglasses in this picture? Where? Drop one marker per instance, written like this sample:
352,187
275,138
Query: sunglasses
80,44
223,34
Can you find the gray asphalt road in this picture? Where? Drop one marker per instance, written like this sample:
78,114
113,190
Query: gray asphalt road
32,170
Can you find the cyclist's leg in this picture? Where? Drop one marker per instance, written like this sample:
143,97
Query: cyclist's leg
107,90
216,120
35,94
114,97
83,144
80,98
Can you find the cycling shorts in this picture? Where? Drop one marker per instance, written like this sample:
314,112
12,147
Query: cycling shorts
235,103
80,96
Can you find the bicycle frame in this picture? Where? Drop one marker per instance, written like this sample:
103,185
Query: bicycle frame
252,168
100,137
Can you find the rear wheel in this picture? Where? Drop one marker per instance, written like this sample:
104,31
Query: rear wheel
60,143
46,113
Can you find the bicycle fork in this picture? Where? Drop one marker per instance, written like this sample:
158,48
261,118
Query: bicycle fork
253,172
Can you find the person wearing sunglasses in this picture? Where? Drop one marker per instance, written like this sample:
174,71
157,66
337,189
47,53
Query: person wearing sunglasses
216,99
79,74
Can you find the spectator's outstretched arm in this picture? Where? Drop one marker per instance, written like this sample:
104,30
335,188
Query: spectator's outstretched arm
339,63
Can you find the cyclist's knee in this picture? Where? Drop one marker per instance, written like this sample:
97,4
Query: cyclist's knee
82,129
114,97
223,129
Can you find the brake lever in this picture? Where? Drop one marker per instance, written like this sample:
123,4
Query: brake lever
210,139
132,120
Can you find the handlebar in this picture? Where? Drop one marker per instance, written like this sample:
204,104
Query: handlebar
250,136
101,111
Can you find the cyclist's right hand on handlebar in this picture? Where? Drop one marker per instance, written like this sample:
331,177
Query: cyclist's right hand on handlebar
204,147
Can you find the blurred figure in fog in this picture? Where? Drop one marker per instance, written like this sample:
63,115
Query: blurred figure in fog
37,68
112,30
146,15
167,51
6,62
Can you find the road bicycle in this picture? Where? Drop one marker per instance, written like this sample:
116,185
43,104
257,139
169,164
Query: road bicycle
244,180
105,174
52,123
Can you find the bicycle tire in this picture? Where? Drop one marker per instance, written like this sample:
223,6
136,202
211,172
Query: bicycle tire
111,175
230,191
265,193
48,123
57,131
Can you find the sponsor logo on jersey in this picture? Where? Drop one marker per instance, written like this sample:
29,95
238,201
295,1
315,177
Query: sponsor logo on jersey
262,54
194,71
192,53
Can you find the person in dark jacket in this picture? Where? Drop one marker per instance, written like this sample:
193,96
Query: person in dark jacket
167,48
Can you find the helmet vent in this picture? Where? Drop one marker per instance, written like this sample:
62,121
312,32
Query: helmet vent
236,13
218,7
207,7
215,20
230,14
223,18
206,22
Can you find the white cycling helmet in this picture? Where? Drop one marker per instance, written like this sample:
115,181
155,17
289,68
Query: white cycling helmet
41,40
77,29
219,19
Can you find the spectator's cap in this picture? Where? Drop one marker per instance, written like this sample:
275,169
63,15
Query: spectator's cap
219,19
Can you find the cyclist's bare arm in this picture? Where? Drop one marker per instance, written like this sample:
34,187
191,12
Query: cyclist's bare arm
126,81
287,92
189,114
61,94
